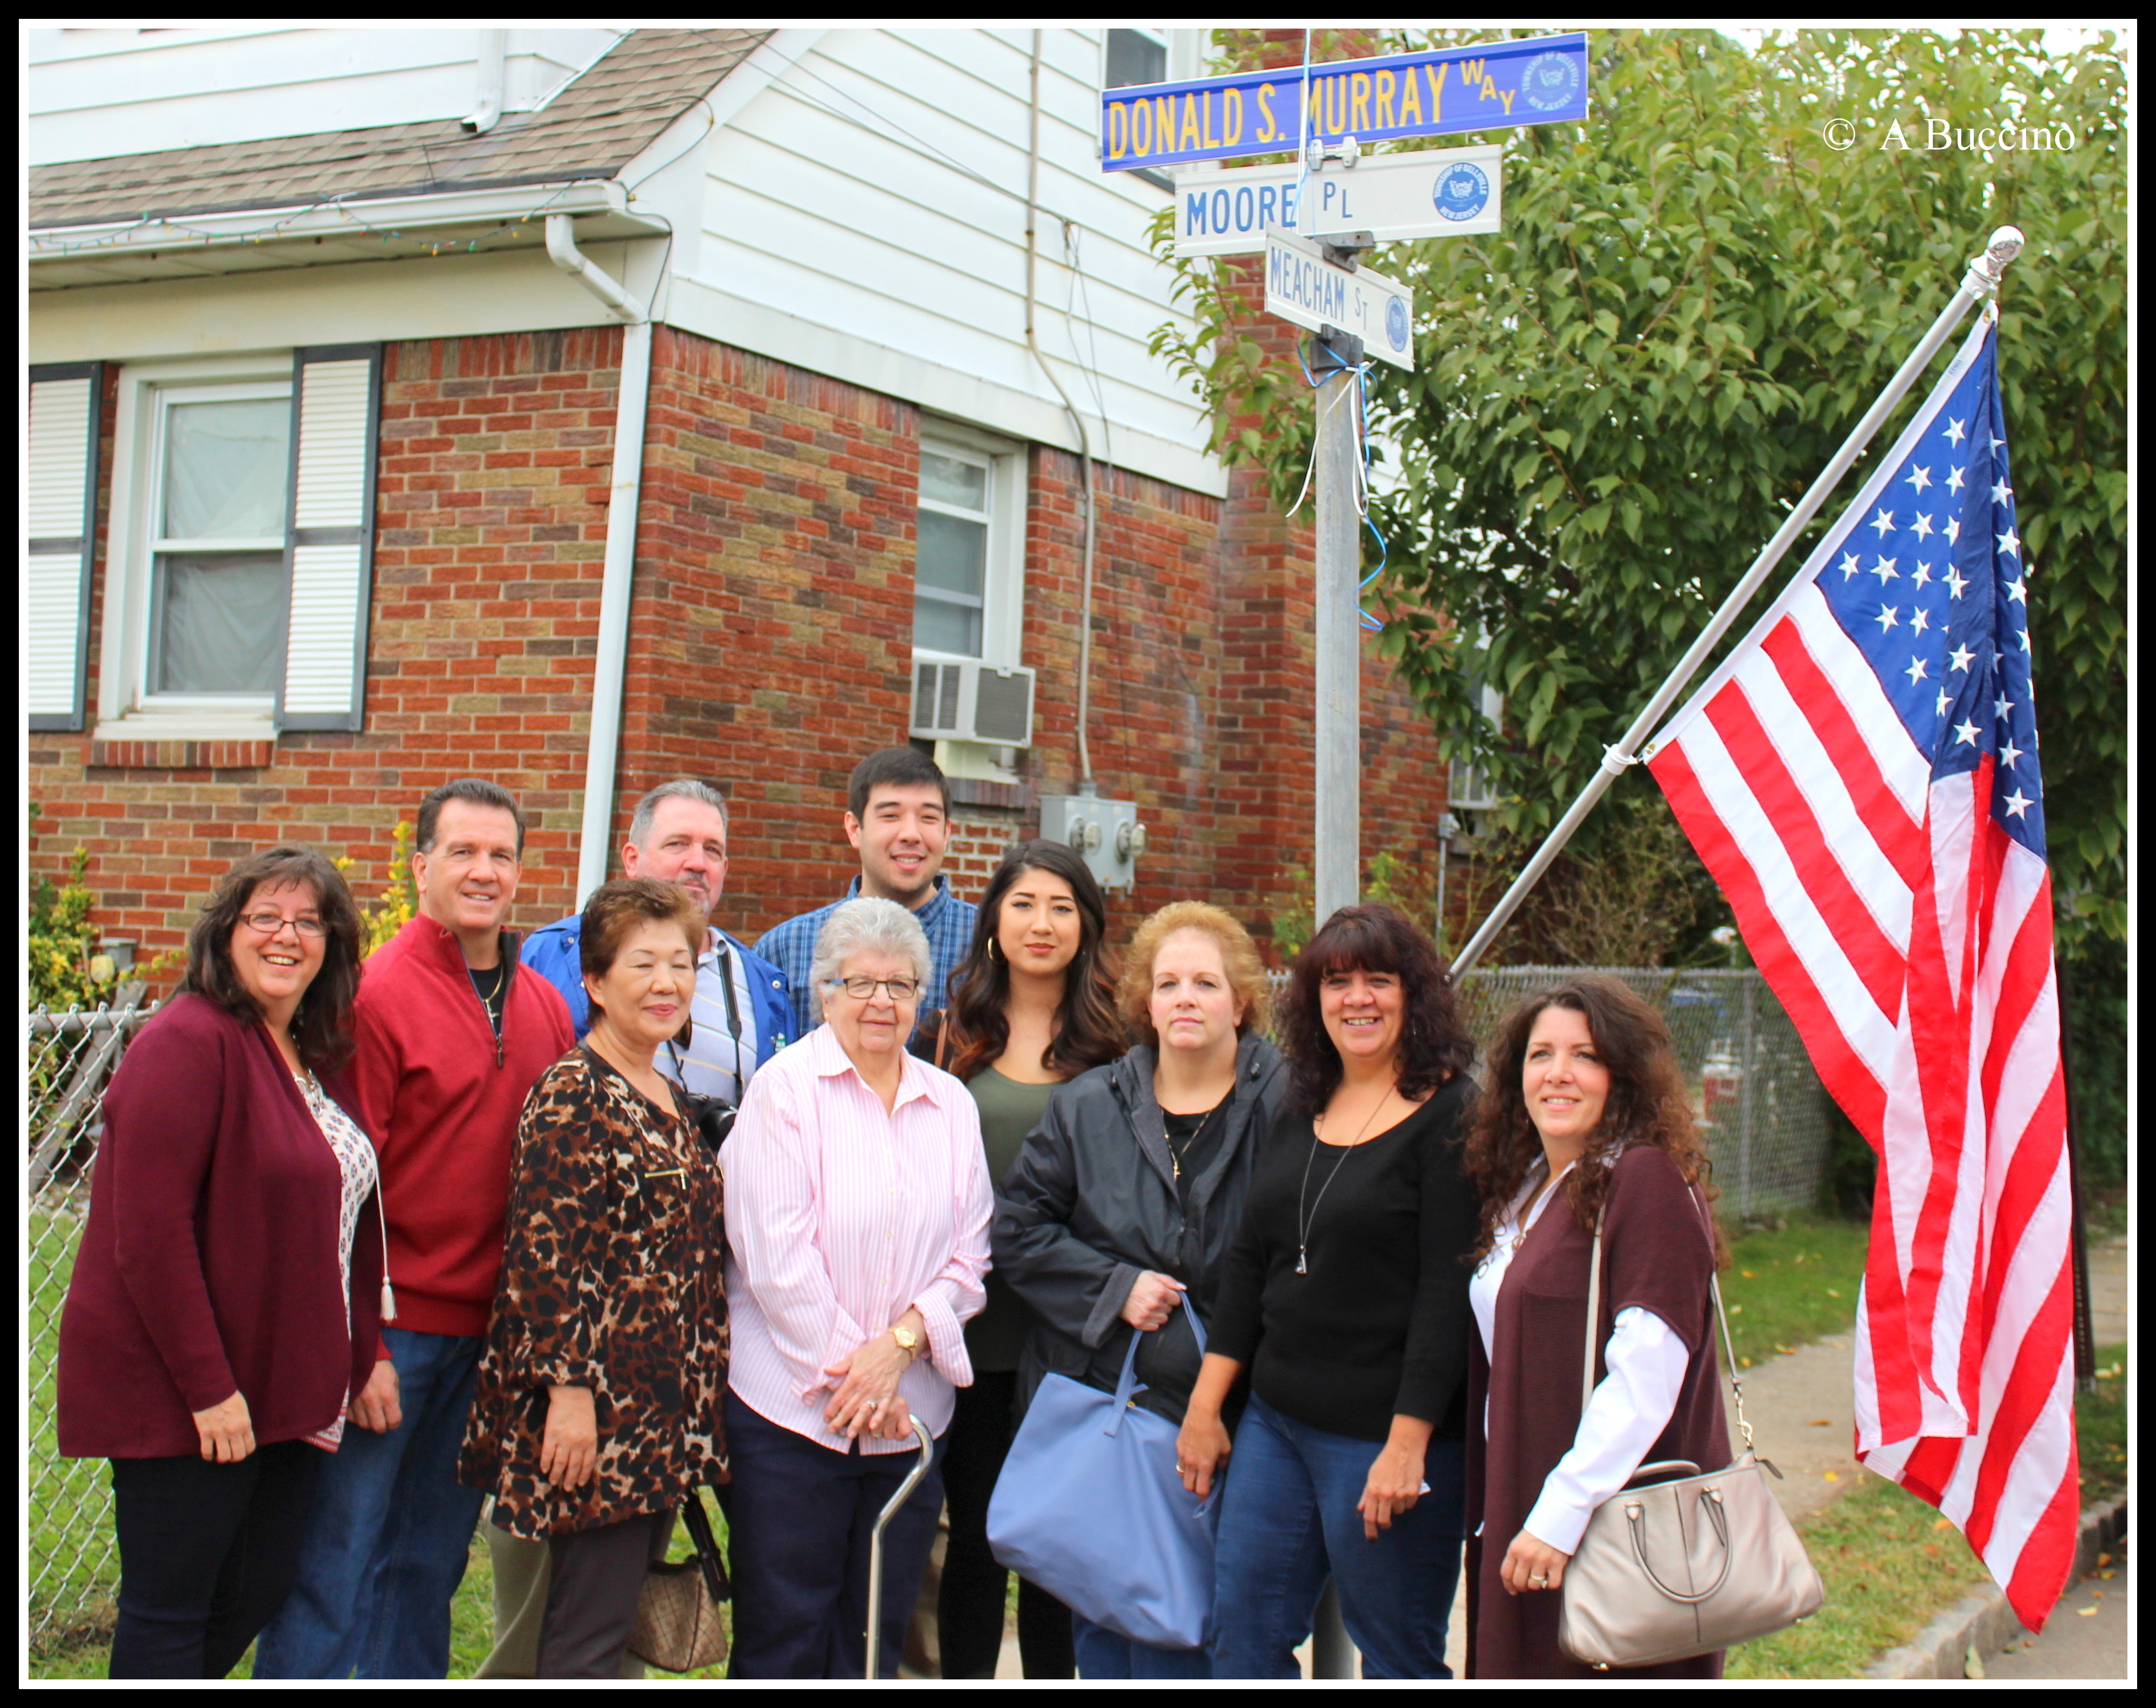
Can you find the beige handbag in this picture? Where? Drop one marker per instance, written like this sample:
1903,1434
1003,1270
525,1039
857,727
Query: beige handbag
680,1626
1680,1563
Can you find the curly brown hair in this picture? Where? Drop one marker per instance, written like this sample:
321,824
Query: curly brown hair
1371,937
1647,1105
321,1026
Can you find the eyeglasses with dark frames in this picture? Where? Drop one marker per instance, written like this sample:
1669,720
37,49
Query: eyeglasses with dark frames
902,990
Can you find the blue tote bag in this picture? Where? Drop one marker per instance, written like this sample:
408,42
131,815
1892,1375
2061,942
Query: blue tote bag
1088,1507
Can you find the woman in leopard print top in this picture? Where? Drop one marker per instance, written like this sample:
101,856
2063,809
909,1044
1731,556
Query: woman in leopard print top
601,1393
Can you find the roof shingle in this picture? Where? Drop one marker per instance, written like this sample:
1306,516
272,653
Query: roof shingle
593,128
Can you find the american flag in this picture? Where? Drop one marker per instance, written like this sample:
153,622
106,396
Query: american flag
1860,779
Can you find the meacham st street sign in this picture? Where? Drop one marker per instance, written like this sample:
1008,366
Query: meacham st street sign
1302,286
1433,192
1483,86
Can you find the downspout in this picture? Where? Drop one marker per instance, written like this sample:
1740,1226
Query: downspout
493,53
611,667
1084,443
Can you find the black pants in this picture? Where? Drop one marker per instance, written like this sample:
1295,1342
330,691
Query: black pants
207,1552
969,1606
799,1517
591,1599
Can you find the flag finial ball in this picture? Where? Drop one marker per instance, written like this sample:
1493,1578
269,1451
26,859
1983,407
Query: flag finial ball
2005,245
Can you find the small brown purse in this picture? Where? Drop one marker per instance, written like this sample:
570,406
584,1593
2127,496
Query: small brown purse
680,1624
1678,1563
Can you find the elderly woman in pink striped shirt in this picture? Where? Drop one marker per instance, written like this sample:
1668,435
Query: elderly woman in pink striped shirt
858,1201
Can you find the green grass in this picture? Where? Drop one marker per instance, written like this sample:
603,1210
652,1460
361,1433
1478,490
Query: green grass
1890,1563
70,1542
1791,1284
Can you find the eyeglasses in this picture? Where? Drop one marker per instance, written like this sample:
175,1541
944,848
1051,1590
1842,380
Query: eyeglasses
902,990
269,924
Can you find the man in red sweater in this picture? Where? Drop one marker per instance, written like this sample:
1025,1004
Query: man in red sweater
449,1042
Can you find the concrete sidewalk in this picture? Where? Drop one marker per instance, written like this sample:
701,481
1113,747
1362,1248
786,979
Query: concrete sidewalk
1802,1406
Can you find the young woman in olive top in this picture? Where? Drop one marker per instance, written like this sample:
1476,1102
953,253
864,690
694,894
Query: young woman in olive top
1031,1006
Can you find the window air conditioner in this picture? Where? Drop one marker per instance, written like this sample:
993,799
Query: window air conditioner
967,700
1470,791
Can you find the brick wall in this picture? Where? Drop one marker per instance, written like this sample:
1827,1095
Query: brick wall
770,631
491,519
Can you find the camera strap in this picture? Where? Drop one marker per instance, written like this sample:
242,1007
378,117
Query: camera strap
726,962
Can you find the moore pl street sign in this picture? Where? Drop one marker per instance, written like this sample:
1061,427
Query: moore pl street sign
1302,286
1486,86
1434,193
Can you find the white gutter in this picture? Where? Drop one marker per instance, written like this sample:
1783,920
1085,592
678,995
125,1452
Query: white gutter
611,667
301,220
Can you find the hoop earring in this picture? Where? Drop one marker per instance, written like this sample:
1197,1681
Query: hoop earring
993,956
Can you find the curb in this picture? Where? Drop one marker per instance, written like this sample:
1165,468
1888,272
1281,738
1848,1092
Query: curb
1984,1622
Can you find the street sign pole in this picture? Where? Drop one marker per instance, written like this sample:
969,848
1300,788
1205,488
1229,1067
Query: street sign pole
1338,719
1337,878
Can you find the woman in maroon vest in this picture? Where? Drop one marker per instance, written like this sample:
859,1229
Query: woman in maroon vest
1585,1113
229,1287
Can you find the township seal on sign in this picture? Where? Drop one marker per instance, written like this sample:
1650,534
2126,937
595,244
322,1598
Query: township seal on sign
1549,82
1462,190
1396,324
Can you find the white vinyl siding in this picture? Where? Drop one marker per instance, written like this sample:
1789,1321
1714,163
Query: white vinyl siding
161,88
849,194
57,533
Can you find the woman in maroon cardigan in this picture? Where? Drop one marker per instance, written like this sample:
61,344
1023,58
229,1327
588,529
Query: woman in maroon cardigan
229,1283
1584,1118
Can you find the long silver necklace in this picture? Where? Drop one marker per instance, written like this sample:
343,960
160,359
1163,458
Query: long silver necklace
1303,1224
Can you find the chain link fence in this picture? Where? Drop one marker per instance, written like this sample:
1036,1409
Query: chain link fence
1763,1113
1764,1116
73,1566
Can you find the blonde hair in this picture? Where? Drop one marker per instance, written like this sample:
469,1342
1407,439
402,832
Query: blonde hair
1239,956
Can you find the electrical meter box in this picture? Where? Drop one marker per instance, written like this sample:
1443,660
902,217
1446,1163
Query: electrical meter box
1105,834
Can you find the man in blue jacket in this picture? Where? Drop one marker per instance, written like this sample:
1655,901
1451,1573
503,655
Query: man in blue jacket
743,1016
743,1010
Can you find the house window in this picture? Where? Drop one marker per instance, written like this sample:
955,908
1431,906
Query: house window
1137,56
951,574
1130,56
217,558
241,522
971,696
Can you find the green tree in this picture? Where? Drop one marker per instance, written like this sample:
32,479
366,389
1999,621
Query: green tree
1693,298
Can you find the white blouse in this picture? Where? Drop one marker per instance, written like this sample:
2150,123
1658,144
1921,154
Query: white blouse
1629,1409
355,1157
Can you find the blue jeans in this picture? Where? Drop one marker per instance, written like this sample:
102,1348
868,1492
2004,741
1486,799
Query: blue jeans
1288,1522
391,1532
1103,1654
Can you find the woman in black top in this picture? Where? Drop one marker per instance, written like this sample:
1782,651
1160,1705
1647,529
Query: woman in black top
1346,1296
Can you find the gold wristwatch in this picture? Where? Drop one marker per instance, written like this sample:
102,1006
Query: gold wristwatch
909,1343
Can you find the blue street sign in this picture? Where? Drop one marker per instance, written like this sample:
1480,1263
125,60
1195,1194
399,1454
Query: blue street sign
1487,86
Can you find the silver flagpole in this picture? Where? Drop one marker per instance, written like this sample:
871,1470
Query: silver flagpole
1977,283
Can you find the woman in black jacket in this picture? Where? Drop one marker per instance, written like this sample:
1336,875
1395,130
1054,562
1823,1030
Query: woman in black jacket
1124,1202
